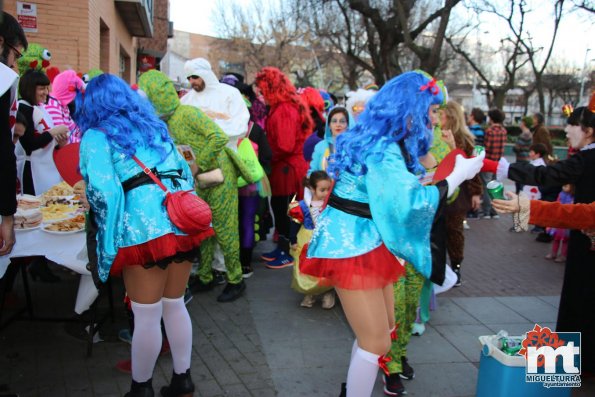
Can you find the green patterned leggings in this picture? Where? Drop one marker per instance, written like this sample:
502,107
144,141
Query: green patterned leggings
406,291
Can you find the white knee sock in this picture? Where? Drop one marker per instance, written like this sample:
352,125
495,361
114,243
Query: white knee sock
362,373
179,332
146,340
353,349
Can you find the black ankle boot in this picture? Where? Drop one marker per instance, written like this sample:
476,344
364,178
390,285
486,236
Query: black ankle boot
141,389
181,386
343,390
456,268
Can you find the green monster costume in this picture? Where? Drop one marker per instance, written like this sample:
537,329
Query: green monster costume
36,57
90,74
188,125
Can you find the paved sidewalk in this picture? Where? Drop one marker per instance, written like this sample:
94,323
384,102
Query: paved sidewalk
266,345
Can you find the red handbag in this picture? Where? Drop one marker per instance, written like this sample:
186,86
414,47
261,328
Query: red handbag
186,210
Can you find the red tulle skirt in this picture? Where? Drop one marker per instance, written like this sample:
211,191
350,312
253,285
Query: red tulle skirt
374,269
160,251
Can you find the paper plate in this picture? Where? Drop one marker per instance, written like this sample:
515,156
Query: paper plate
27,229
62,233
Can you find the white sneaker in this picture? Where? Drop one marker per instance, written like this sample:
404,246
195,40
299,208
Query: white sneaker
418,329
466,225
308,301
328,300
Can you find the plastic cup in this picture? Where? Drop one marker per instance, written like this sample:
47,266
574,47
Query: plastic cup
495,190
477,150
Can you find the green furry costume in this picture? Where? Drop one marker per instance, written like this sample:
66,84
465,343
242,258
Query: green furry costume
188,125
36,57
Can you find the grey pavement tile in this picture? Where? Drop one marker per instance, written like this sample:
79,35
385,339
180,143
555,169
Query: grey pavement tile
449,312
530,307
464,338
255,381
439,380
487,309
264,393
432,347
284,354
552,300
236,390
208,388
309,382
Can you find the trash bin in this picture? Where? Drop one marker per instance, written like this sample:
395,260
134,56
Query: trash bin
501,375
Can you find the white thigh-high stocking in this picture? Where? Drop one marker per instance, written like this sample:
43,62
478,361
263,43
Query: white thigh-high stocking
353,349
362,373
179,332
146,340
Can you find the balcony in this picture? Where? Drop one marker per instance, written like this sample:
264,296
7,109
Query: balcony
137,16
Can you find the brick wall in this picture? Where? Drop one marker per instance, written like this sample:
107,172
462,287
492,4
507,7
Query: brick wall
70,30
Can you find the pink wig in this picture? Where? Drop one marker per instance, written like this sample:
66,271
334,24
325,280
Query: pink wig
66,85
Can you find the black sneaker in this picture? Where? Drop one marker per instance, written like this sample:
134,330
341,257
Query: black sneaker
196,285
393,385
408,372
219,277
247,271
544,238
231,292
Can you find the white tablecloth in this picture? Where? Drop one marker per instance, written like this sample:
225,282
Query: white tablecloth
68,250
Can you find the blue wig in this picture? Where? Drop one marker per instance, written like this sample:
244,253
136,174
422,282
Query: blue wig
129,120
398,113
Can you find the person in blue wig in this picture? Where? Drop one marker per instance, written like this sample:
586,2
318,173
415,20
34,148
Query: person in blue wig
379,215
135,236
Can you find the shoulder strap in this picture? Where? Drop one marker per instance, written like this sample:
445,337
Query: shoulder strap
147,171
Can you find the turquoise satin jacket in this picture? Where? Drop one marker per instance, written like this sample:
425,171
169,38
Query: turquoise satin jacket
402,214
127,218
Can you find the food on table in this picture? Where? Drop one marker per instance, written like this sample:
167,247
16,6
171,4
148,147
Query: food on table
57,211
47,201
67,225
27,218
61,189
27,201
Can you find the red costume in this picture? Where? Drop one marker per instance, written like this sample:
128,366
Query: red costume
287,126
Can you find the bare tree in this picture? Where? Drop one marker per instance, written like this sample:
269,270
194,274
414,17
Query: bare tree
341,32
538,56
561,82
390,25
513,58
585,5
383,37
263,34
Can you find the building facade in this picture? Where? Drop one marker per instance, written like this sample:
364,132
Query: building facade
91,34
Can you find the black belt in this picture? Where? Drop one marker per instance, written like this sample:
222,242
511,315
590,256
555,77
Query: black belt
141,178
349,206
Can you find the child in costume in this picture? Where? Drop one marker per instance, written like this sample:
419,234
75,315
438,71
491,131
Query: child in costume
304,214
369,224
561,235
